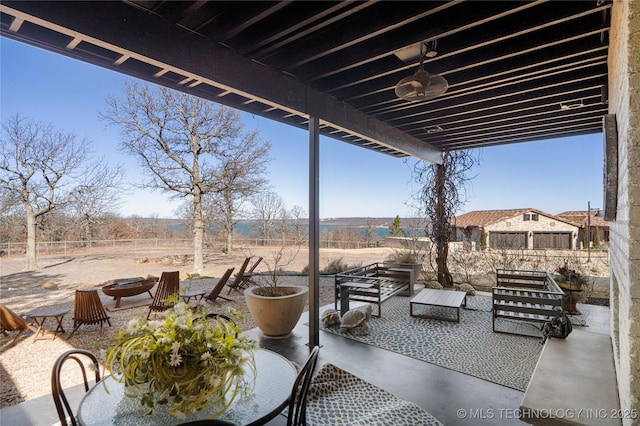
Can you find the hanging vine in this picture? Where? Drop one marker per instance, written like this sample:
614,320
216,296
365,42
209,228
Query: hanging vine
442,193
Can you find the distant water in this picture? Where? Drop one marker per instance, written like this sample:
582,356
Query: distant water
250,229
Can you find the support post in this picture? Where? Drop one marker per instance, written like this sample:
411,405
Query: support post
588,231
314,231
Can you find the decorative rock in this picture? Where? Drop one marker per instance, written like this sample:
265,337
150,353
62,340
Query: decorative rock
356,318
330,317
49,286
468,288
433,284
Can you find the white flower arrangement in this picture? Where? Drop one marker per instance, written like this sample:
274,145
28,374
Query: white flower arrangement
188,361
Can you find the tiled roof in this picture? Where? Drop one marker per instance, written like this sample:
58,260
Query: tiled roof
580,218
483,218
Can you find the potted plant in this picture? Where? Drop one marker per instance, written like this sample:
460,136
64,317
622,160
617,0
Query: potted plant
185,362
276,309
571,282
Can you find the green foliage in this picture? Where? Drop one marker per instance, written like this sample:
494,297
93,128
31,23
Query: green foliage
585,240
596,238
197,362
395,230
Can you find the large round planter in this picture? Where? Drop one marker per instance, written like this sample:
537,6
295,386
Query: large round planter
276,316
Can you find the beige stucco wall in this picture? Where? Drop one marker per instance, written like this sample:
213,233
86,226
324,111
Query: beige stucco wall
624,102
543,224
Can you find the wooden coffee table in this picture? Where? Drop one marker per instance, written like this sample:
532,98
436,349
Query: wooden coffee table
439,298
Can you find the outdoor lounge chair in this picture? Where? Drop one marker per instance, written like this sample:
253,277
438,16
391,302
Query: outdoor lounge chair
65,413
215,292
247,277
88,309
235,285
10,321
169,285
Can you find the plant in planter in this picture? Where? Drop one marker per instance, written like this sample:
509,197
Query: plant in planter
185,362
569,279
276,309
571,282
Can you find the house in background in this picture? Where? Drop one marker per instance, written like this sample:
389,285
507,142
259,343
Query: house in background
596,223
516,229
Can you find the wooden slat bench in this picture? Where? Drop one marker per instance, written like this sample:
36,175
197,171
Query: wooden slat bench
374,283
526,296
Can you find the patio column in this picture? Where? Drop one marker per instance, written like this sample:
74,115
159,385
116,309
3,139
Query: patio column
314,231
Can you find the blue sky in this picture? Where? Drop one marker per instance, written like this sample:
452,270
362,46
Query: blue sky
553,176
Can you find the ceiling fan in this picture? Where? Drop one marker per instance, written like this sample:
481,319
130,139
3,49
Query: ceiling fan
422,86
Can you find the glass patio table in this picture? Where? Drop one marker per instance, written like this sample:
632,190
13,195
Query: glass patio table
274,380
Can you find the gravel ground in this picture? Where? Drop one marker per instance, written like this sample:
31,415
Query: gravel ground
25,368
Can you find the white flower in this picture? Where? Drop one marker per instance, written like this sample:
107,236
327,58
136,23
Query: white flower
214,380
205,356
145,352
176,359
134,325
154,325
181,308
164,340
175,346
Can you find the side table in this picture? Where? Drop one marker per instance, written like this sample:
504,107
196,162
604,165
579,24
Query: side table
40,317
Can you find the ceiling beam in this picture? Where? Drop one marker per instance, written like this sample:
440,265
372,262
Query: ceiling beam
150,39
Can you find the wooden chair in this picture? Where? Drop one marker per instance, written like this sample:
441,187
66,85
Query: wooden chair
169,285
235,285
215,292
10,321
88,309
65,413
247,277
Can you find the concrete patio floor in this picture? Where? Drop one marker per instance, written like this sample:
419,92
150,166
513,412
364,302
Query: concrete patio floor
453,398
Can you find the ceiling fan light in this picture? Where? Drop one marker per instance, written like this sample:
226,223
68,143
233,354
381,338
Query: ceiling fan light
421,86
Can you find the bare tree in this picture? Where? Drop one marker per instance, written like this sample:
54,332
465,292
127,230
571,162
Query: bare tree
188,147
47,169
297,220
441,195
268,210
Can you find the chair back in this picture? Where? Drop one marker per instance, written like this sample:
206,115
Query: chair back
169,285
215,292
254,266
239,276
298,401
80,356
10,321
88,309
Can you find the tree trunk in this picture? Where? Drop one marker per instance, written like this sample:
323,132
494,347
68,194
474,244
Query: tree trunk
442,231
198,235
31,264
229,242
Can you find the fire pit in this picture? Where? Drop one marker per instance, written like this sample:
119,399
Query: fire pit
127,287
